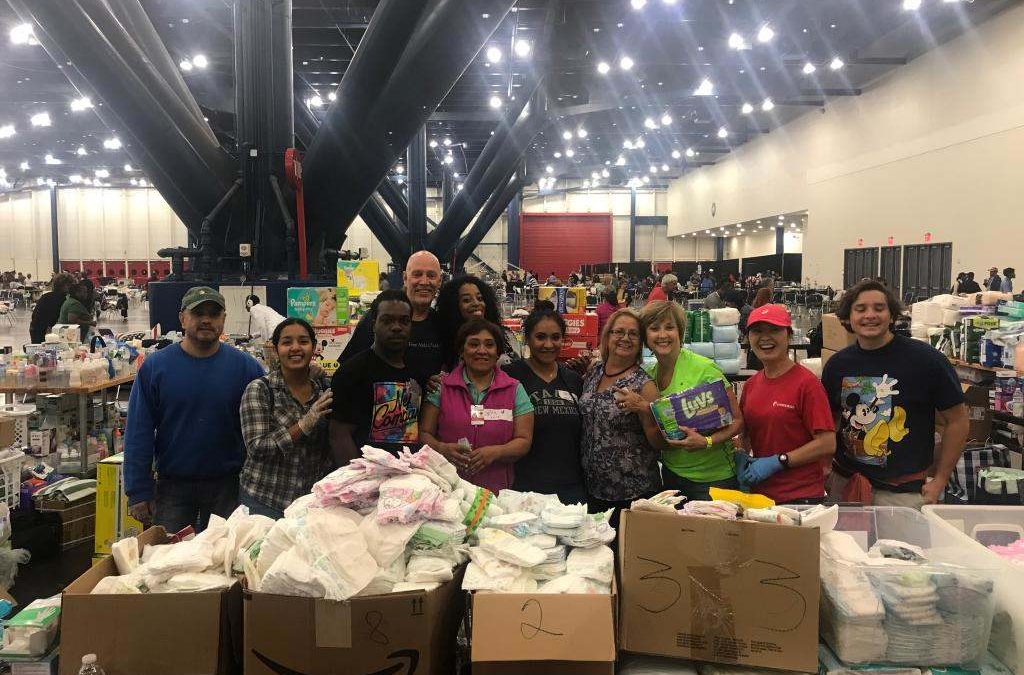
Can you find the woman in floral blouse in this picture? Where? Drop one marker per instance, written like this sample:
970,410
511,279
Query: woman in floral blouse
620,462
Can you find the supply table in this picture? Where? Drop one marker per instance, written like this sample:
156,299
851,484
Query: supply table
83,394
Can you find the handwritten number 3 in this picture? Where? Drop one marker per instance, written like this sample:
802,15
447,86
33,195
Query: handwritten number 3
532,630
799,598
657,575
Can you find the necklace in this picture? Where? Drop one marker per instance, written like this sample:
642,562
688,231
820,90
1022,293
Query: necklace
614,375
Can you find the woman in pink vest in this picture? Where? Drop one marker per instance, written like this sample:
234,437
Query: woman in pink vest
477,401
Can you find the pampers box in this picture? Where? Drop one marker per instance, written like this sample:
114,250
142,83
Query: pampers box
321,306
566,300
704,408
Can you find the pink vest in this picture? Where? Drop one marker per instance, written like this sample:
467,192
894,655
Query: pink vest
454,422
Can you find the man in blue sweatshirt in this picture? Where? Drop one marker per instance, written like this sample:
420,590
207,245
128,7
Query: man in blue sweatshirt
183,412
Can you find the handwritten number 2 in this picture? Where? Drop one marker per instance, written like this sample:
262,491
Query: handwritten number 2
658,575
532,630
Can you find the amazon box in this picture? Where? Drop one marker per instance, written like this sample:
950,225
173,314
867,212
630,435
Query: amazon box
554,634
394,633
834,335
152,633
733,592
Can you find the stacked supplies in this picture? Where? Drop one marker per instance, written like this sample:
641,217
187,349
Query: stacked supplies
725,336
540,545
698,328
892,605
705,408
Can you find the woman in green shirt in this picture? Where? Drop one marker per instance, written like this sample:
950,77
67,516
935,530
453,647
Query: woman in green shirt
77,307
697,463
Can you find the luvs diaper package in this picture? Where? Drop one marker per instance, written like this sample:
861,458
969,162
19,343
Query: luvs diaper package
704,408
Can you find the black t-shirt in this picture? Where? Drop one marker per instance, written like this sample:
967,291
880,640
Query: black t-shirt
381,401
970,286
553,463
886,401
47,311
423,357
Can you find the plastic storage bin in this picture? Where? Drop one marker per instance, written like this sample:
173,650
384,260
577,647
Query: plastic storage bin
912,612
978,527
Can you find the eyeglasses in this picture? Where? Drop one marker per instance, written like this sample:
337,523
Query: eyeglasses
619,333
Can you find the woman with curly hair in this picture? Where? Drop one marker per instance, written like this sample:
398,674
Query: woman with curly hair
461,299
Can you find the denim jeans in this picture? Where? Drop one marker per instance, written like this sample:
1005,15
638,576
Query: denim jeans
693,490
258,508
190,501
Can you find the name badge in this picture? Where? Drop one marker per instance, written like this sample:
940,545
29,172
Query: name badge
479,415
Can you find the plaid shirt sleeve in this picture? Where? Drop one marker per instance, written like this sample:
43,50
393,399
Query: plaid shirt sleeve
262,437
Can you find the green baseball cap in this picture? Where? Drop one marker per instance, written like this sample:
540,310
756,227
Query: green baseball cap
200,294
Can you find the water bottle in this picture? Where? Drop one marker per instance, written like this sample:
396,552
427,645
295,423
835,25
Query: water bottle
89,666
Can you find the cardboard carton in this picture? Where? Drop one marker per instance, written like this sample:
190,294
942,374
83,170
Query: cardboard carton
152,633
826,354
395,633
733,592
7,435
566,300
78,519
113,522
321,306
581,325
553,634
359,276
979,413
834,335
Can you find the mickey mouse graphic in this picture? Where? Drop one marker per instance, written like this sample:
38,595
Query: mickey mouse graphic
871,418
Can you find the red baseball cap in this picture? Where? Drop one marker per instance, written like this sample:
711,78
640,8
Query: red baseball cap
776,315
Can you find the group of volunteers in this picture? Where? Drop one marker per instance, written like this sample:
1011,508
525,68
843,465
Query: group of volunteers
432,364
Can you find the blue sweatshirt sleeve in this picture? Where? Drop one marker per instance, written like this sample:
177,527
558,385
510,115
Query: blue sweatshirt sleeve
139,436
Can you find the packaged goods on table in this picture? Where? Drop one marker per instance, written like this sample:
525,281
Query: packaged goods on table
705,408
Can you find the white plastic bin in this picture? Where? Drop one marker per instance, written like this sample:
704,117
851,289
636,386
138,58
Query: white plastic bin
884,613
976,527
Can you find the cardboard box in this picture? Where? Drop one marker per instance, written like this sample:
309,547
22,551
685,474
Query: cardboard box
979,413
544,633
359,276
7,436
826,354
566,300
581,325
78,519
733,592
113,522
330,343
320,306
152,633
395,633
834,335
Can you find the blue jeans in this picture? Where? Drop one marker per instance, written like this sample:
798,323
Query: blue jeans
258,508
181,502
693,490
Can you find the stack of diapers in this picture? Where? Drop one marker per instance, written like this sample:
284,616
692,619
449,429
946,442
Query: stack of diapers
705,349
725,337
927,312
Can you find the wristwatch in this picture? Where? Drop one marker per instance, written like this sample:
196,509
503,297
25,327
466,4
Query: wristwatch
710,442
784,460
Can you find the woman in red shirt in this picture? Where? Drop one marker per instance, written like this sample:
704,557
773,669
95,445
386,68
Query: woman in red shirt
790,431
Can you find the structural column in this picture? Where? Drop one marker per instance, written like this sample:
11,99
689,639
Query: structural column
719,248
54,232
780,240
417,160
632,225
515,210
447,190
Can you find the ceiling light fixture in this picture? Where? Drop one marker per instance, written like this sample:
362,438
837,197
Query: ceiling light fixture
40,119
51,160
627,144
200,61
581,132
75,178
689,152
747,109
549,168
666,120
493,55
620,161
603,67
736,41
605,173
626,63
767,105
723,132
80,104
676,154
112,143
664,167
495,102
128,168
558,155
638,4
765,34
24,166
809,68
81,151
646,179
523,48
7,130
705,88
314,101
101,173
185,65
836,64
640,143
433,143
447,142
567,135
332,96
448,159
650,123
23,34
570,153
911,5
653,169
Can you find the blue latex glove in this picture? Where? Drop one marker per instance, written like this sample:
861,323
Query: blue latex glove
741,459
760,469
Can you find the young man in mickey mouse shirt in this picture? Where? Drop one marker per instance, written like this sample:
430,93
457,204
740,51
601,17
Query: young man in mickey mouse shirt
886,391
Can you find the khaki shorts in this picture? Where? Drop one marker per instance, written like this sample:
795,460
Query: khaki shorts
835,484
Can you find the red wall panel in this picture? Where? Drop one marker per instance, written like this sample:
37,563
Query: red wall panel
561,242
